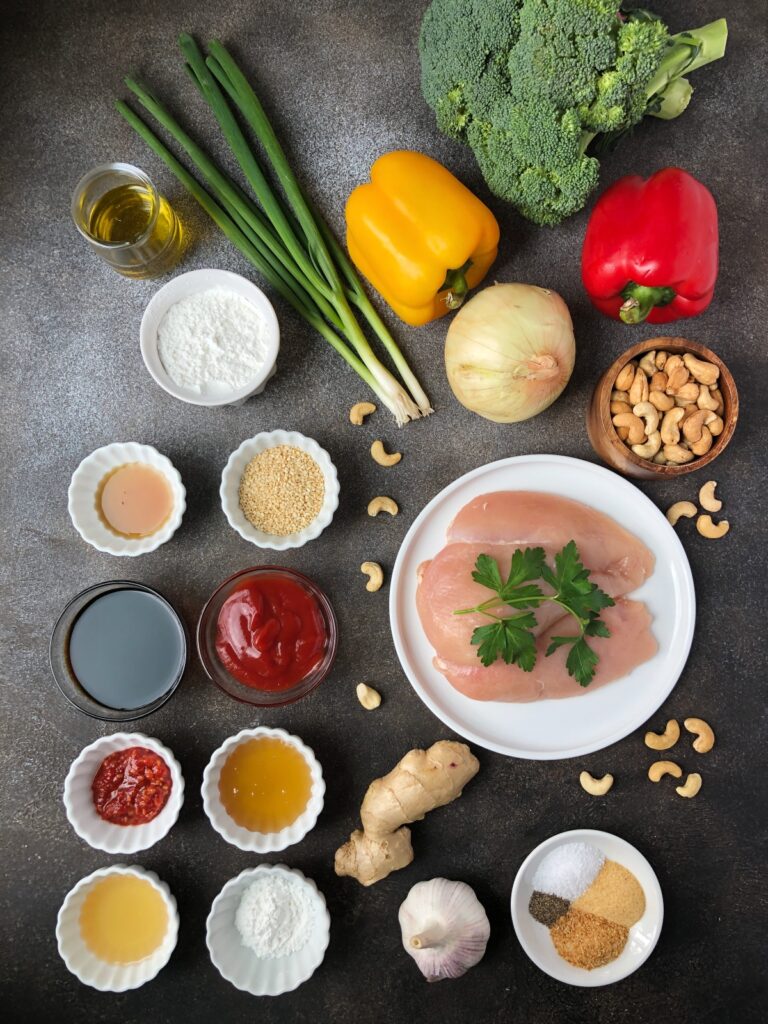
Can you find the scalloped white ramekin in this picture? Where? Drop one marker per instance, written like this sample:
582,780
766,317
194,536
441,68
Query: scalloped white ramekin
240,965
243,838
78,798
230,489
98,973
85,484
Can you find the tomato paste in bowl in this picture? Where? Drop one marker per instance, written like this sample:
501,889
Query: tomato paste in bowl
267,636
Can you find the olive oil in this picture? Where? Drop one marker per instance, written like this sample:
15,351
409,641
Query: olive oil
122,215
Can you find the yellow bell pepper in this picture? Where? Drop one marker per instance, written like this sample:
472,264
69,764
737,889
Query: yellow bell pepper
420,237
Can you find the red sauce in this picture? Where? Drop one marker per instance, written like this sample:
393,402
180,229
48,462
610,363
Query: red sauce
131,786
270,633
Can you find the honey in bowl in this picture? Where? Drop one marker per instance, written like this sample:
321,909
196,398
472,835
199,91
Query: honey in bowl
123,919
134,500
265,784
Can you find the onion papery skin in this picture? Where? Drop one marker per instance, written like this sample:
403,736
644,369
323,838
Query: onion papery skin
509,352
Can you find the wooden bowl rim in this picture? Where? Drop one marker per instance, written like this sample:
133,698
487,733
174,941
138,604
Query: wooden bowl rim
675,343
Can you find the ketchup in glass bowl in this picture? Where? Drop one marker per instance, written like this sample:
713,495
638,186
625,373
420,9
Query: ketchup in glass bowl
267,636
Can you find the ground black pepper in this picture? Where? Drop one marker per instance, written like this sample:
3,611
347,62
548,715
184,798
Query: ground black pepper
546,908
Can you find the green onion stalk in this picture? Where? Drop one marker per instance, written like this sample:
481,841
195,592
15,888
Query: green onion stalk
292,248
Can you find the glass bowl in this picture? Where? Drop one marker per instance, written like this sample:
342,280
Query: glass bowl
206,641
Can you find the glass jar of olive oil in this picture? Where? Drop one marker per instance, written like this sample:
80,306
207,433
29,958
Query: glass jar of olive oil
117,209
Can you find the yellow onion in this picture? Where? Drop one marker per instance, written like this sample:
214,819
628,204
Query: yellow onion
510,351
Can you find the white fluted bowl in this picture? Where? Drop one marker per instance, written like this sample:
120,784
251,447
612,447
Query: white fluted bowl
98,973
239,965
243,838
230,489
85,484
82,814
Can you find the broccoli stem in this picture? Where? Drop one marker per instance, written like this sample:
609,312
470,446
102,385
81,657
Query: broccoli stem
668,92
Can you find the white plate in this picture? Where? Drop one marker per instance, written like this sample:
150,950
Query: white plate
535,938
551,729
240,965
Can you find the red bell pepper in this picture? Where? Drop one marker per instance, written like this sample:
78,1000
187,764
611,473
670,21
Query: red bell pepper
650,251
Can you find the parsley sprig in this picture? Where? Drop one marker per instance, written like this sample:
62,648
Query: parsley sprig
509,637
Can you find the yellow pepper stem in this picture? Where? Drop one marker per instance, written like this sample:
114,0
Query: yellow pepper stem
455,286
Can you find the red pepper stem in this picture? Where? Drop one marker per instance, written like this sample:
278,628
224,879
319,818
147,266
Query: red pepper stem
641,299
455,286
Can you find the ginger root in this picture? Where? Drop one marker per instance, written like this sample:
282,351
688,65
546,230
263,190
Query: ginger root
420,782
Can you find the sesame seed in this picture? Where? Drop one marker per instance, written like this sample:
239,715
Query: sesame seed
281,490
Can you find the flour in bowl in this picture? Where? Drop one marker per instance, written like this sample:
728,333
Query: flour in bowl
212,343
275,915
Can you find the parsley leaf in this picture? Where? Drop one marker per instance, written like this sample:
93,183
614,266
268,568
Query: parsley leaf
509,639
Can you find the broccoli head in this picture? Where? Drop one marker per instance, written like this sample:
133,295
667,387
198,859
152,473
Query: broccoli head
531,85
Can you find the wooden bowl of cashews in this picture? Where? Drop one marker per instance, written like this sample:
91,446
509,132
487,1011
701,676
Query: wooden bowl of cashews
666,407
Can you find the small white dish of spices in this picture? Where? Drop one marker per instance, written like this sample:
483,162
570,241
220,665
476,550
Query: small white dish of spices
279,490
268,930
210,337
126,499
587,908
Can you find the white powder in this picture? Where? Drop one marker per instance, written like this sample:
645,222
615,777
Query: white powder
212,343
569,870
275,915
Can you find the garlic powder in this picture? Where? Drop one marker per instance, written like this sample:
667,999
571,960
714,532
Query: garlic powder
212,343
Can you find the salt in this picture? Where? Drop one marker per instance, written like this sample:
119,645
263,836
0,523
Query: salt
275,915
569,870
212,343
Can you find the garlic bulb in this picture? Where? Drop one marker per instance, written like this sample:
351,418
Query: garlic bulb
444,928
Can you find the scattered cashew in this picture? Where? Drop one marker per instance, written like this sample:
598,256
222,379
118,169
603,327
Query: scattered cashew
659,769
693,424
375,575
380,455
701,370
658,381
705,737
676,378
359,411
662,401
664,740
702,446
650,414
670,432
691,786
681,508
677,454
596,787
625,378
706,400
617,407
650,448
639,391
382,504
648,363
635,425
707,498
710,530
368,697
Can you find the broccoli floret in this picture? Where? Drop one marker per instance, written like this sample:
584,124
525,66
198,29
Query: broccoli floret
530,84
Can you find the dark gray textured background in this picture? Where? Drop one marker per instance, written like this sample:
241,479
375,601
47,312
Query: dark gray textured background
342,80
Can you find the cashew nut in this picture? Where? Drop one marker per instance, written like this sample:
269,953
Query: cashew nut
705,737
674,362
659,769
359,411
620,396
701,370
693,424
660,459
382,504
648,363
639,390
670,433
661,360
651,446
668,738
633,423
380,455
677,454
625,378
658,381
687,394
595,787
674,512
702,446
662,401
706,399
617,407
650,414
375,575
676,378
368,697
719,399
707,497
715,424
710,530
691,786
623,433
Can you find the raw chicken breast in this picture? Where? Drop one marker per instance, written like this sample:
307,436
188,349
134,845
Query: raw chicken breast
631,643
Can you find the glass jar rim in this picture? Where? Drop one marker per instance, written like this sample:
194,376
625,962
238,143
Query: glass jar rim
95,172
